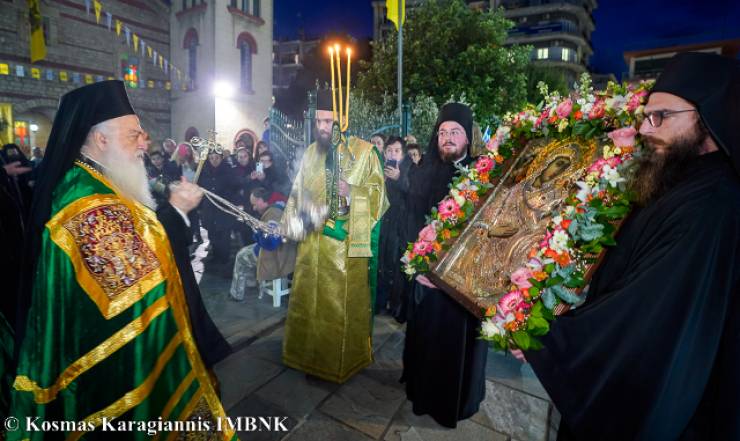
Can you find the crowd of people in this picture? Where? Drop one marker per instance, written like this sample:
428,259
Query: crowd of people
100,237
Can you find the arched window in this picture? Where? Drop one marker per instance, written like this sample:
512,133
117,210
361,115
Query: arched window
190,133
190,43
247,47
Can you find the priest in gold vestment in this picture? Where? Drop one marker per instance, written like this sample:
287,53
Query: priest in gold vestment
110,333
328,329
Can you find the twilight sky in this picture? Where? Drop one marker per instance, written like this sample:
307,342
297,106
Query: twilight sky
621,25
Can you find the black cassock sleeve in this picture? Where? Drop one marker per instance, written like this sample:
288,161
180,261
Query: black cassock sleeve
211,344
656,354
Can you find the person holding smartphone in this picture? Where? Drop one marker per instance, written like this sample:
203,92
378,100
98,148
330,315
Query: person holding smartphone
390,279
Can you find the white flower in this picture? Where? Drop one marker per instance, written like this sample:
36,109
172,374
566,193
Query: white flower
489,329
457,197
617,103
612,175
583,191
570,211
409,270
581,101
559,241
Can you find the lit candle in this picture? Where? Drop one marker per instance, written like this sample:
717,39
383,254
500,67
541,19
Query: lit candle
339,82
346,111
333,88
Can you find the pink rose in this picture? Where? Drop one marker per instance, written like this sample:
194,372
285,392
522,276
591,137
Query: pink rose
597,166
521,278
484,164
493,143
598,110
633,103
508,303
422,248
624,137
564,108
428,234
614,161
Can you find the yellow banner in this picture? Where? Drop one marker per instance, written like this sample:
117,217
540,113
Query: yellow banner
161,62
149,51
63,76
98,7
392,7
4,69
6,114
118,27
38,44
136,43
150,84
88,79
36,73
168,85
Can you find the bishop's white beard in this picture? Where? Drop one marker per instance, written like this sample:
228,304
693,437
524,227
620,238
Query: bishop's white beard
128,175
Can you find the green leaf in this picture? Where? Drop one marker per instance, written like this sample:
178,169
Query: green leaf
575,282
552,281
536,283
538,326
549,268
535,344
536,310
534,292
522,339
548,315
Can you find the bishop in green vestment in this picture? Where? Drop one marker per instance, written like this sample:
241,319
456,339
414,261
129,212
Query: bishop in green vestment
108,336
328,329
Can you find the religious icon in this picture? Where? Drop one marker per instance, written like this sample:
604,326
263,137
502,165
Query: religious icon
511,221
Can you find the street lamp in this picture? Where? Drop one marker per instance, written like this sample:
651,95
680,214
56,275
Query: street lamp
222,89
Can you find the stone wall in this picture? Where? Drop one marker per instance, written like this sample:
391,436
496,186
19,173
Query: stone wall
76,43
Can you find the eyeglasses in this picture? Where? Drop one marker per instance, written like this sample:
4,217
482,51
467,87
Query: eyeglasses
656,117
454,133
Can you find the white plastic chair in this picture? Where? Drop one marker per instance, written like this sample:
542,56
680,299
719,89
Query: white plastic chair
275,288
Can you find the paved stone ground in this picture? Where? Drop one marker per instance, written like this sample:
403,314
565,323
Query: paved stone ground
372,405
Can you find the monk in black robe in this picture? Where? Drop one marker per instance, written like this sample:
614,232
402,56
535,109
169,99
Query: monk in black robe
444,361
654,353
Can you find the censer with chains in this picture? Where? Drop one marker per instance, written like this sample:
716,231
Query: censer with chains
311,214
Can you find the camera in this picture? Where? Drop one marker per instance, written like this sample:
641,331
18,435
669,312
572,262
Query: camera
391,163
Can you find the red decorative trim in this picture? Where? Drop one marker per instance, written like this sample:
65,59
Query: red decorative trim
253,18
246,36
190,35
192,10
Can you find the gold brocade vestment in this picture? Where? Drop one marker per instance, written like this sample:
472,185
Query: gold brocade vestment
109,335
328,329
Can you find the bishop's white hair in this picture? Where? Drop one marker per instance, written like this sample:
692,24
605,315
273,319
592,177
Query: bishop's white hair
127,174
